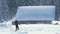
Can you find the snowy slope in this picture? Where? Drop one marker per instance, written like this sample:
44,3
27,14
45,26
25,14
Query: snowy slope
40,29
30,29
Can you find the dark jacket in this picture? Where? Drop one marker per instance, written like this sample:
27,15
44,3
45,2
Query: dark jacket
16,23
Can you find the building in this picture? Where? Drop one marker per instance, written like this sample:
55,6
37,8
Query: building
35,14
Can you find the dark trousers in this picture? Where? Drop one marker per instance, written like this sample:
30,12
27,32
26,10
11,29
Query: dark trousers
17,28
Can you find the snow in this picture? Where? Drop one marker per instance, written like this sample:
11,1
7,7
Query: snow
54,22
30,29
39,28
35,13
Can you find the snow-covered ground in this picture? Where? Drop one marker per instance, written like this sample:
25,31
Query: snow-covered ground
31,29
40,29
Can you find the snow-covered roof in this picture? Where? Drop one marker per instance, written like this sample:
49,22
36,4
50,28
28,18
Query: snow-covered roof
35,13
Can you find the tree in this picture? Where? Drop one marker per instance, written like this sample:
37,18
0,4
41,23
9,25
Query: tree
8,9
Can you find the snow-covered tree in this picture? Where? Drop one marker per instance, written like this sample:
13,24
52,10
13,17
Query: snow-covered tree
8,9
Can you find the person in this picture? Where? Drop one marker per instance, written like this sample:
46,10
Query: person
16,24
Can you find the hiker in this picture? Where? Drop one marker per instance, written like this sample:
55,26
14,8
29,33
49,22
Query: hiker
16,24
